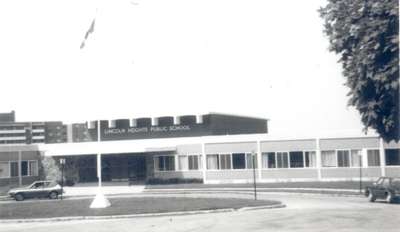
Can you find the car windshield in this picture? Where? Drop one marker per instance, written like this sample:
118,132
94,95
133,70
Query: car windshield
380,180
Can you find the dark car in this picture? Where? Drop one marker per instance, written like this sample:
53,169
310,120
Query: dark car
387,188
38,189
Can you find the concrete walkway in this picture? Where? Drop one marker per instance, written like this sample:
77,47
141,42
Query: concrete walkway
107,190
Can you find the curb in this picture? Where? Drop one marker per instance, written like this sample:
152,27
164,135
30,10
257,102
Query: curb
277,206
251,189
261,192
178,213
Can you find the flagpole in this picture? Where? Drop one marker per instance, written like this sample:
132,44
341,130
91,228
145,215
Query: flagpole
99,155
99,201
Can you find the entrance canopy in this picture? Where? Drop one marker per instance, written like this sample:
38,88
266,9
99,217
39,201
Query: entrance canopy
137,146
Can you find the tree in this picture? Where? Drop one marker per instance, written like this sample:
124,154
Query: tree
365,34
50,170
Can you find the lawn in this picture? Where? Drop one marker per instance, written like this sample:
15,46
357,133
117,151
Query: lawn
119,206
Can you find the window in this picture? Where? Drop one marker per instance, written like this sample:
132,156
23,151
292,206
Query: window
212,162
4,169
282,159
239,161
396,182
343,158
271,160
386,182
392,157
328,158
14,169
373,158
296,159
264,158
356,158
183,162
38,185
310,159
24,168
33,168
250,158
225,161
165,163
194,162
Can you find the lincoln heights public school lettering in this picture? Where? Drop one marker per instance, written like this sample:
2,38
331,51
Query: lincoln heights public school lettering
146,129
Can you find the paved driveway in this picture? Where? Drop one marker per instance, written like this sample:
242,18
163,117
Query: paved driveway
303,213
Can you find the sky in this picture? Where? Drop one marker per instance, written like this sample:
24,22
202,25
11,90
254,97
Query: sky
259,58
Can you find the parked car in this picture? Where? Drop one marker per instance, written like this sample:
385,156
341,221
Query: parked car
38,189
387,188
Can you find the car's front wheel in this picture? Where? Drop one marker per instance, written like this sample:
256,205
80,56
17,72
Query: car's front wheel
19,197
53,195
389,197
371,196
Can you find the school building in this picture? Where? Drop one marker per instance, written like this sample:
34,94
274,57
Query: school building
210,148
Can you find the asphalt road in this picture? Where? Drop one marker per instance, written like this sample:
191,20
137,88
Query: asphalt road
304,212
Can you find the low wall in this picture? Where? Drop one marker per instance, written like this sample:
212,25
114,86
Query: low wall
350,173
179,174
14,181
230,175
393,171
289,174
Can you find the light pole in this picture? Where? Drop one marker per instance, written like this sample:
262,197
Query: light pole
62,162
360,164
253,160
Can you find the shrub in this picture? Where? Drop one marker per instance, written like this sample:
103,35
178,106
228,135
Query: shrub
154,181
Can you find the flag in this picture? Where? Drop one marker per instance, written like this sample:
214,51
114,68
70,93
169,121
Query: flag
91,30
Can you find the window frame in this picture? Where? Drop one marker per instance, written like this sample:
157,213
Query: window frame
9,169
218,164
379,156
220,161
336,161
158,156
304,158
348,157
287,159
231,161
360,158
349,150
244,161
386,160
199,162
275,155
253,159
36,165
11,162
27,168
187,162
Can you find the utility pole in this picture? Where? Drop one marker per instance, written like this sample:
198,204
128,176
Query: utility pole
254,174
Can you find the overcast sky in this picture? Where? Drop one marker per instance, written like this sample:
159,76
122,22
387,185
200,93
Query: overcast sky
262,58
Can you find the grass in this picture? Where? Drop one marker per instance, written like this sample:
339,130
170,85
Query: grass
119,206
